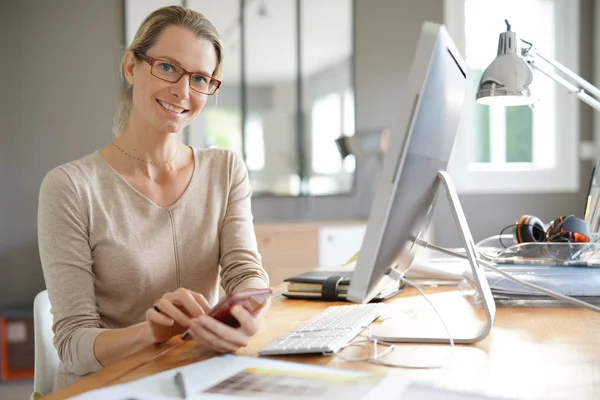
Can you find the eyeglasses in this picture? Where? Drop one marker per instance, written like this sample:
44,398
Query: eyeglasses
169,72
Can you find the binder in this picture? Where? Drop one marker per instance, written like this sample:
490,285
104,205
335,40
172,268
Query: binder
331,285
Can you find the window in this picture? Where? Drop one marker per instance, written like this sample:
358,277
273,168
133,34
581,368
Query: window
326,127
223,129
255,144
516,149
348,128
332,116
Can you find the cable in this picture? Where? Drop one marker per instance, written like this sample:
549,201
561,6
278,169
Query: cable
416,286
508,276
516,226
374,354
376,357
494,237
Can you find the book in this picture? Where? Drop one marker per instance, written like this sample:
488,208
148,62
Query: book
309,285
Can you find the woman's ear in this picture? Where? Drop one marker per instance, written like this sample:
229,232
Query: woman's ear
128,64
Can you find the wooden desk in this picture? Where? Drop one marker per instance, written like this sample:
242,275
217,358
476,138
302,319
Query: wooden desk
537,353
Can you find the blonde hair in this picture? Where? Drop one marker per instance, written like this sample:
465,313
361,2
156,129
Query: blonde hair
146,37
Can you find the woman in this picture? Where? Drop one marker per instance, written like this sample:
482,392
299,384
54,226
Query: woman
134,236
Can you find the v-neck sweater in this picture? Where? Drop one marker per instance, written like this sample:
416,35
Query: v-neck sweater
108,252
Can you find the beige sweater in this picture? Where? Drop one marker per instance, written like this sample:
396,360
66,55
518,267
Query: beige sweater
108,252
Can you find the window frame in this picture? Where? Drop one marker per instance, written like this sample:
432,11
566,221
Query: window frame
486,178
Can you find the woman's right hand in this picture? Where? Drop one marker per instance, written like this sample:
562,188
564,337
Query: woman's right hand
175,313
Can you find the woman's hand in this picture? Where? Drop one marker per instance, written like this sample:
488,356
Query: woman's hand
220,337
173,313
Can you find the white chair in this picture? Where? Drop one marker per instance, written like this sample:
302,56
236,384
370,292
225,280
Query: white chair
46,357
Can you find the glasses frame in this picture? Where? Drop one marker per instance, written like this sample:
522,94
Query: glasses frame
151,60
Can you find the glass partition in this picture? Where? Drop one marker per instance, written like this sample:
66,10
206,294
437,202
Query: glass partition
287,90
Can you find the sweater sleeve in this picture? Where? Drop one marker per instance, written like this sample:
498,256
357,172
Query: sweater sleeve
241,267
67,262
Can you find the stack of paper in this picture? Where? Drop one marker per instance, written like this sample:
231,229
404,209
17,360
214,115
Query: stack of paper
577,281
239,377
581,282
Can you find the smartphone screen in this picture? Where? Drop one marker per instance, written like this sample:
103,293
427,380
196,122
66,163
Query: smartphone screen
251,300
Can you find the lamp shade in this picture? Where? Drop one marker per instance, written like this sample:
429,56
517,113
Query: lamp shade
506,81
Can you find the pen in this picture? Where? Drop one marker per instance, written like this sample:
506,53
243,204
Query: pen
184,335
181,384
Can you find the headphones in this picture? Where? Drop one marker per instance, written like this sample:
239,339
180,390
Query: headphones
563,229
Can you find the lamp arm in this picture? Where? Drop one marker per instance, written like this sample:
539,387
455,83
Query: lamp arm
573,89
579,88
576,78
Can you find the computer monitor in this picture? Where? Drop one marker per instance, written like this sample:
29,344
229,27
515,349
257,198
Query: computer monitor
418,149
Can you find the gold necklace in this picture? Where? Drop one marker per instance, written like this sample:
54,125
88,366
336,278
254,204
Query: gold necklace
147,161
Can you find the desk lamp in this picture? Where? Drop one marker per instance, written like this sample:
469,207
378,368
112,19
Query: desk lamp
364,144
506,80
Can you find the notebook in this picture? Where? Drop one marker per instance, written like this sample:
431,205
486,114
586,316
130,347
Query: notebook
331,285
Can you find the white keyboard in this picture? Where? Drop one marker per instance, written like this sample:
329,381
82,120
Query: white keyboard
327,331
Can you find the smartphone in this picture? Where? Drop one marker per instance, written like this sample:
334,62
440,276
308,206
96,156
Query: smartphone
251,300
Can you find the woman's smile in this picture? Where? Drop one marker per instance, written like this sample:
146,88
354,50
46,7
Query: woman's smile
174,110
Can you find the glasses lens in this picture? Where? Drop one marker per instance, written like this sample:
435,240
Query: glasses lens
167,71
202,84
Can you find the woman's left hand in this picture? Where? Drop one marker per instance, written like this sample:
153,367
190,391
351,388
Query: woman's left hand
223,338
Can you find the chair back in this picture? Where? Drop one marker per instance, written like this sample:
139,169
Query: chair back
46,356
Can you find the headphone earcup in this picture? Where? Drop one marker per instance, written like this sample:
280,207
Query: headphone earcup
529,229
569,229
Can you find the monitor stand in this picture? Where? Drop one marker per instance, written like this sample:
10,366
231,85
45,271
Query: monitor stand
430,329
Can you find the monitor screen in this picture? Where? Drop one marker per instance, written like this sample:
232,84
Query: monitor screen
419,147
